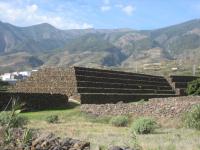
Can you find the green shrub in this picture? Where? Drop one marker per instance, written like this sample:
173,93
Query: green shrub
14,121
119,121
191,119
52,119
3,85
27,136
143,125
193,87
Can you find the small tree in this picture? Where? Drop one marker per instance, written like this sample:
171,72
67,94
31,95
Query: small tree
193,87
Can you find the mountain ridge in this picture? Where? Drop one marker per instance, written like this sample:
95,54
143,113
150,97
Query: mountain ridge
45,45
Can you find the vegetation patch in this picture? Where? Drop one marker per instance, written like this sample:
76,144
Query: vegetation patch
143,125
14,121
4,85
96,119
193,87
97,130
52,119
12,130
191,118
119,121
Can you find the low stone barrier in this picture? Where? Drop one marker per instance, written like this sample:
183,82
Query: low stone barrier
34,101
172,107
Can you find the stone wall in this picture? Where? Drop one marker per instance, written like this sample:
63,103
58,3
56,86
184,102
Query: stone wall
34,101
172,107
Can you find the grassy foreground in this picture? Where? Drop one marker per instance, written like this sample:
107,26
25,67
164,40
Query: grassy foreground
99,132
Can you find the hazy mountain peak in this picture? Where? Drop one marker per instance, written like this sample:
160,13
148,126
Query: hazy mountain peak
114,47
43,26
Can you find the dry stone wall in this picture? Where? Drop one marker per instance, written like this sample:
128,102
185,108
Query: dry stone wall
34,101
172,107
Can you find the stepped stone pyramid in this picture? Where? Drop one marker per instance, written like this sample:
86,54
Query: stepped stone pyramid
48,80
96,86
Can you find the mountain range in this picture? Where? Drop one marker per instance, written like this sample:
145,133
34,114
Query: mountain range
25,48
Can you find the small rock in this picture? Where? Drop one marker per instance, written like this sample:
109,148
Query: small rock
116,148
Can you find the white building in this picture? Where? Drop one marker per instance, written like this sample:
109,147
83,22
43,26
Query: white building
25,73
174,69
14,76
6,76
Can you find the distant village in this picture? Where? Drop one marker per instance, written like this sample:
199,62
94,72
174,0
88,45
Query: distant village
13,77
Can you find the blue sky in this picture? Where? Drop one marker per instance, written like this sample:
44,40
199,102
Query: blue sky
80,14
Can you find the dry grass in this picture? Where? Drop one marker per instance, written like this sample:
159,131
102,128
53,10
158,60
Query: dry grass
77,125
97,133
171,139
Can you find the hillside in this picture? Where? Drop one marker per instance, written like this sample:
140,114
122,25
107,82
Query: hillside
44,45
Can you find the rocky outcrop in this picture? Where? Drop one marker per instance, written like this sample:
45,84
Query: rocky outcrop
51,142
120,148
42,142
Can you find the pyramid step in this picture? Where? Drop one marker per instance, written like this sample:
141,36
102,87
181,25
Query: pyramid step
119,75
183,78
120,85
102,98
119,80
182,85
114,90
114,72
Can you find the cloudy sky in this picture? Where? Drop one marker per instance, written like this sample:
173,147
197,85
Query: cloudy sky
80,14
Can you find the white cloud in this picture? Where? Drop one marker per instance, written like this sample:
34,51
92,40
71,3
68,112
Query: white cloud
105,8
119,5
30,14
32,8
106,2
128,9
